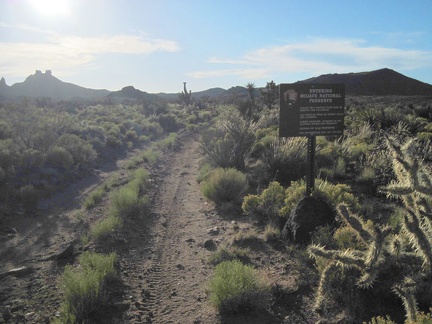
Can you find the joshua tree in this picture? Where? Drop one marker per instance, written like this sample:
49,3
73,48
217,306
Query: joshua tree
389,253
185,96
269,94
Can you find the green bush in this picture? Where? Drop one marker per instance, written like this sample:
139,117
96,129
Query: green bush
94,198
275,201
267,205
77,147
168,143
125,201
238,288
139,180
225,185
84,288
151,156
130,199
106,226
59,157
29,196
228,253
170,123
285,162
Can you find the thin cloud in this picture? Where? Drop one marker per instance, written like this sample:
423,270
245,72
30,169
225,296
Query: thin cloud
318,56
63,53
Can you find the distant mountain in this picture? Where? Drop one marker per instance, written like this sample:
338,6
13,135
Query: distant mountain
381,82
130,93
41,85
374,83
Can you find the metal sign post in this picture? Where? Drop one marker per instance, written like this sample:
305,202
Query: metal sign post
310,177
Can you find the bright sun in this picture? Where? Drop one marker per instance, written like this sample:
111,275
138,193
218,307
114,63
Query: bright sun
51,7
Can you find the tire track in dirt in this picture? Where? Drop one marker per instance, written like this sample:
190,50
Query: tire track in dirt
171,281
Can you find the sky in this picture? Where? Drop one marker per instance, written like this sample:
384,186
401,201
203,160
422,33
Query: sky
157,45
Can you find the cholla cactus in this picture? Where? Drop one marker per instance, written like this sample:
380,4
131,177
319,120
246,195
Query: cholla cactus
413,185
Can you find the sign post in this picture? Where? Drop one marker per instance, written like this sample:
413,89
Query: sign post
311,110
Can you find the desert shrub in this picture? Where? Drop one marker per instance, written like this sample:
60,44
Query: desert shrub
170,123
94,198
152,129
271,233
276,202
133,162
230,144
204,172
84,288
130,199
151,156
228,253
80,150
8,154
59,157
30,160
225,185
29,196
347,238
326,153
139,180
267,205
238,288
131,135
170,142
106,226
285,161
125,201
5,130
245,237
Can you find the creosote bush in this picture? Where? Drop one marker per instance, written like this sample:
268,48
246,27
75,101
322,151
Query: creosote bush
106,226
84,288
275,201
130,200
95,197
238,288
225,185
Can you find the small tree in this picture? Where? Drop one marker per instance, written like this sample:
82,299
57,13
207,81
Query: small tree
269,94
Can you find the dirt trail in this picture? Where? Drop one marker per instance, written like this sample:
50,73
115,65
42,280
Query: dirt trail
163,255
166,277
163,272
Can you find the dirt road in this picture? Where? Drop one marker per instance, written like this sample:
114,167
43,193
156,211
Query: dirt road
166,276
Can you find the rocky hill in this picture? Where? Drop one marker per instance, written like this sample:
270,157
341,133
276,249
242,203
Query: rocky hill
42,85
130,93
381,82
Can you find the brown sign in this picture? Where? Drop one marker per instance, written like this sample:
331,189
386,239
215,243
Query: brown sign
311,109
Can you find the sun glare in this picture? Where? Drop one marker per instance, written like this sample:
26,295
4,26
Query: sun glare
51,7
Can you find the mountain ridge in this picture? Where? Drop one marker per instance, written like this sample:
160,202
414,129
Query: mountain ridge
374,83
378,82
